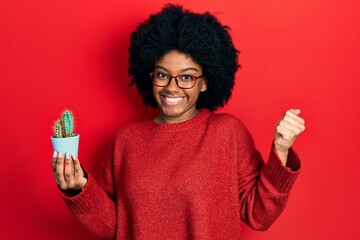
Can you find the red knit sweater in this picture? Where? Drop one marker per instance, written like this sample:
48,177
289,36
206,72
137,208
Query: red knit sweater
193,180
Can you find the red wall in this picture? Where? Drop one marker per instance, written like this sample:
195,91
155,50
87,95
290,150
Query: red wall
73,54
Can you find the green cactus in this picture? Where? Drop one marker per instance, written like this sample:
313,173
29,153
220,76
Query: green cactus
68,123
64,127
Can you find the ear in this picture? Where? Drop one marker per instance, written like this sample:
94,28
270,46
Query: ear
204,85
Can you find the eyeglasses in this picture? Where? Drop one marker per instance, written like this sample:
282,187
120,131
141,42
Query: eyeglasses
184,81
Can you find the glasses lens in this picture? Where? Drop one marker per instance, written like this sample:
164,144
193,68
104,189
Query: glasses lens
160,79
185,81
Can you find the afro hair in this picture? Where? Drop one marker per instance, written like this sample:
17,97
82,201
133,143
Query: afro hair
201,36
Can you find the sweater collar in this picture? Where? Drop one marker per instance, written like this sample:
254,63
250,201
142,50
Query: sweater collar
201,117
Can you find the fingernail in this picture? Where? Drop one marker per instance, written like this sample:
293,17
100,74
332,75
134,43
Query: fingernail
54,154
60,155
67,155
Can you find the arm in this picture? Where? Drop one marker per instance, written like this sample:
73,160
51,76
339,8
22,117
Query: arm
89,203
264,189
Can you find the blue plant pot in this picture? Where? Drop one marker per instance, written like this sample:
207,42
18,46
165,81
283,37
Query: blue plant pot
66,145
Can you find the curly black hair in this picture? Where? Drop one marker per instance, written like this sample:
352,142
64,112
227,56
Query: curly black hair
201,36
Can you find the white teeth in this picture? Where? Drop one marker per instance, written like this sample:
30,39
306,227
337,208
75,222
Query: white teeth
173,100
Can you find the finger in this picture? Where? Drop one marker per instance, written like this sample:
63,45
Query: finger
295,128
293,114
293,124
59,172
293,119
79,173
68,174
53,161
285,132
295,111
77,168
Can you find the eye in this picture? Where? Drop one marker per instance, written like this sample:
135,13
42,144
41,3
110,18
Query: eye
161,75
186,77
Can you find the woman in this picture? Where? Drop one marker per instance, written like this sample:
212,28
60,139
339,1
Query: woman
189,173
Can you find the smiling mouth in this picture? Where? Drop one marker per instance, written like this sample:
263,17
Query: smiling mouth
173,100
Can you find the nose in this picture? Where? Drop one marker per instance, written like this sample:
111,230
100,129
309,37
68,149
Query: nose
172,86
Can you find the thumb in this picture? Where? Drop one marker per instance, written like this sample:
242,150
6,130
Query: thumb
82,182
281,140
281,144
295,111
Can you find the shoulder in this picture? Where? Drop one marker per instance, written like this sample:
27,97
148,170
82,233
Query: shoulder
226,120
131,130
230,125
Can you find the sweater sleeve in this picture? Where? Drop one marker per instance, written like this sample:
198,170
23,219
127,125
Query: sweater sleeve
263,188
94,206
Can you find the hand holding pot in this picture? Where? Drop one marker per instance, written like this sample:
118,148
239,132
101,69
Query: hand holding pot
70,177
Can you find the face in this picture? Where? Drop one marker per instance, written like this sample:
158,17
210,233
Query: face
177,105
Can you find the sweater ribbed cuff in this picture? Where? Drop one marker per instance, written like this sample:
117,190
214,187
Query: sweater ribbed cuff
90,196
282,177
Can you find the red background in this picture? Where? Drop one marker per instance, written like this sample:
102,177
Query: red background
73,54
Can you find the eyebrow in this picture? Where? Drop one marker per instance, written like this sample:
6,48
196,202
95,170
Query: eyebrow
183,70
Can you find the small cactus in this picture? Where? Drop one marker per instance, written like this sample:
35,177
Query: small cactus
64,127
58,129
